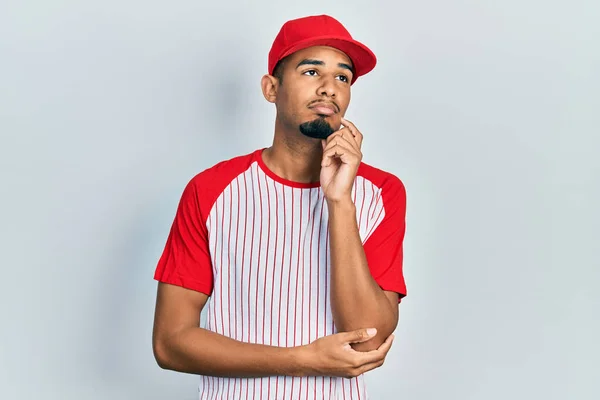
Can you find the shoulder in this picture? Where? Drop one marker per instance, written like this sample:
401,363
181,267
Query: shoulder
385,181
207,185
220,175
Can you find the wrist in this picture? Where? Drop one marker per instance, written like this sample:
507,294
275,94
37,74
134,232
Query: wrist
302,361
344,204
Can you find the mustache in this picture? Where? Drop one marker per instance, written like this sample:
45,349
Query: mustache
337,108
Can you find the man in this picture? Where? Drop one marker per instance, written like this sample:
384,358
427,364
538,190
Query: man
298,246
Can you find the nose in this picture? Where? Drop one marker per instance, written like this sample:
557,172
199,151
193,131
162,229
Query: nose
327,86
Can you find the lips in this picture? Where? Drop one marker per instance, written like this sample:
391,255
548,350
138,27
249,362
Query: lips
324,108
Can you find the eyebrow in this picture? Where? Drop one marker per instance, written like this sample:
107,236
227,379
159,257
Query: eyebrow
310,61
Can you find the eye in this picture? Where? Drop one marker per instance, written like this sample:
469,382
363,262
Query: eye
344,78
311,72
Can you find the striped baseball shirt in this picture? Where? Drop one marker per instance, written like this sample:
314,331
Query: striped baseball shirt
258,246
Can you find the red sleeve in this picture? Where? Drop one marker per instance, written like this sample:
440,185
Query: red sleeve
186,260
383,248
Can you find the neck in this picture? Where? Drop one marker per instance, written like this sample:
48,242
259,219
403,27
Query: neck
294,156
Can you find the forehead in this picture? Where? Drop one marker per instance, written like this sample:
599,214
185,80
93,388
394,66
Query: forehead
323,53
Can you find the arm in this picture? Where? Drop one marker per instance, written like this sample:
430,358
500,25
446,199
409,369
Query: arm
180,345
356,299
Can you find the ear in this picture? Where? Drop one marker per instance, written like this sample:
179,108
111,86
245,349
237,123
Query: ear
269,85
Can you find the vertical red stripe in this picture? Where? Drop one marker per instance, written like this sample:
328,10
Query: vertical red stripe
259,266
212,302
266,270
258,269
287,301
274,257
362,205
322,388
310,254
245,198
329,274
287,321
228,382
322,201
281,284
213,392
229,260
203,378
250,263
236,293
298,267
273,280
297,275
357,388
371,202
376,200
237,231
208,393
375,223
221,263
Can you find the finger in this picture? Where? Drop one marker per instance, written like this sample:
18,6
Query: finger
347,134
340,141
343,138
378,354
359,335
349,137
339,150
358,136
370,366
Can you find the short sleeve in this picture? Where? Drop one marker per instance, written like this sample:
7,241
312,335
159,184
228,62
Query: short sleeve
186,260
384,247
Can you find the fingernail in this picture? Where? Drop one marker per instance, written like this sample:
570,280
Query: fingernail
371,331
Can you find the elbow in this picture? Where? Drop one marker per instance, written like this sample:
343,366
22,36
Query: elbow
369,345
161,354
383,333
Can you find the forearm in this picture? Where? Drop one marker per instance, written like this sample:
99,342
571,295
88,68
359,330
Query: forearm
199,351
357,301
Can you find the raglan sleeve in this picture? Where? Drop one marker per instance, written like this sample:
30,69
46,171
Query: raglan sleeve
384,247
186,260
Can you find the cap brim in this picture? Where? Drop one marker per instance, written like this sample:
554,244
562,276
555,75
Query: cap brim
363,59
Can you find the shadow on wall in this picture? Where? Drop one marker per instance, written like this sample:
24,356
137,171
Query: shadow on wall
123,329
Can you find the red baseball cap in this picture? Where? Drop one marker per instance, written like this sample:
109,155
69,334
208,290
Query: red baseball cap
320,30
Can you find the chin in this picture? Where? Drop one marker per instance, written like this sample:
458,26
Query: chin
319,128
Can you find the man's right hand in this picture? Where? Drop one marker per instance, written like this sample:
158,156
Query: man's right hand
333,356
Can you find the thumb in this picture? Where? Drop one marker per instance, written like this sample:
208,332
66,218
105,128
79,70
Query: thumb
361,335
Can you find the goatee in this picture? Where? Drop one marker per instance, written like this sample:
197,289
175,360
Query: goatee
318,128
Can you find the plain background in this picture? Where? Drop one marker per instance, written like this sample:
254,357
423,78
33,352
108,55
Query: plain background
487,110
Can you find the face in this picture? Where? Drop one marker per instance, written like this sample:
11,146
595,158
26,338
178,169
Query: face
315,91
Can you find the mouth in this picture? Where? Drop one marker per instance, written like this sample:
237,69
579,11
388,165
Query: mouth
323,108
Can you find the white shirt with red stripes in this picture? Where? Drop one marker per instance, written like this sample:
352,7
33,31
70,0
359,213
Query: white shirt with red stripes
258,245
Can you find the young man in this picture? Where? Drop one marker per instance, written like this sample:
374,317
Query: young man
298,246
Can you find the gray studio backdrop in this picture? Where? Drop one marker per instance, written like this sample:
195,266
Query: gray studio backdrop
487,110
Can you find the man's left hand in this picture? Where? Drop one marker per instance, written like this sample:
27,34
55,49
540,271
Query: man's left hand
340,162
